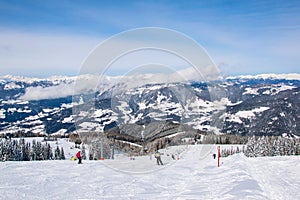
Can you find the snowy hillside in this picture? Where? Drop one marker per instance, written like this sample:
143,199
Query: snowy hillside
194,176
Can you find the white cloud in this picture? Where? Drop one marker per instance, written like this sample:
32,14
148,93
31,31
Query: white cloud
37,93
68,86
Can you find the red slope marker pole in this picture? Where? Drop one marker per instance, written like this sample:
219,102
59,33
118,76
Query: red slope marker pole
219,155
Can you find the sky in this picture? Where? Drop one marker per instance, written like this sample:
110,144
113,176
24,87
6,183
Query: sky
47,38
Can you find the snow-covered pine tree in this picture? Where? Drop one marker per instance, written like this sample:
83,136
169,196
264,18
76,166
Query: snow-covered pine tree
15,154
293,148
57,153
11,150
250,147
288,147
238,150
22,147
83,153
98,144
271,147
259,147
276,146
49,152
2,155
297,151
45,152
267,146
281,146
6,150
33,151
1,150
62,154
264,146
19,148
27,152
39,151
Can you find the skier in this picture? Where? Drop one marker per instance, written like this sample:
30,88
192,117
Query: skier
173,157
158,158
214,156
79,157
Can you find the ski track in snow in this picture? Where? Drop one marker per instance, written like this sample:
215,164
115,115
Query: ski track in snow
272,174
194,176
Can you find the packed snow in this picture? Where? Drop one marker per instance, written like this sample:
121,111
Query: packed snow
194,175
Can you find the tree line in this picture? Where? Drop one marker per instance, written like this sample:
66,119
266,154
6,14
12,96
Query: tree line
19,150
266,146
272,146
230,151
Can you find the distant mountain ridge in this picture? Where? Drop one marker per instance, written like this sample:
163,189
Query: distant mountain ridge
291,76
245,105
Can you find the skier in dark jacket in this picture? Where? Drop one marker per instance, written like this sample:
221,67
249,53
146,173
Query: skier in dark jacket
158,158
78,156
173,157
214,156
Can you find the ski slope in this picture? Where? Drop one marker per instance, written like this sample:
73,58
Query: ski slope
194,176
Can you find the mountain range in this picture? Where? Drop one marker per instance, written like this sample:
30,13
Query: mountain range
245,105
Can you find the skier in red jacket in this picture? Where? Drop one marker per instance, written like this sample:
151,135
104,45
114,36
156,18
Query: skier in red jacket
78,156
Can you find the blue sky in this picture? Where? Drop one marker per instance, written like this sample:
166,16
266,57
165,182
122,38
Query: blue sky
44,38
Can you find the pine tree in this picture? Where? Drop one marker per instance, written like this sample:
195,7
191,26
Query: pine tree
271,146
11,152
1,150
288,150
15,156
297,148
263,146
281,146
267,147
57,153
250,147
27,152
49,152
276,147
22,147
39,151
33,151
294,146
6,150
62,154
45,152
83,153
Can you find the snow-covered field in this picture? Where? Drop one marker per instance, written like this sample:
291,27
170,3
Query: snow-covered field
194,176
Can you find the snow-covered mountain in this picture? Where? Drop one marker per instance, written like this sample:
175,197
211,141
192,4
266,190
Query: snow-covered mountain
246,105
